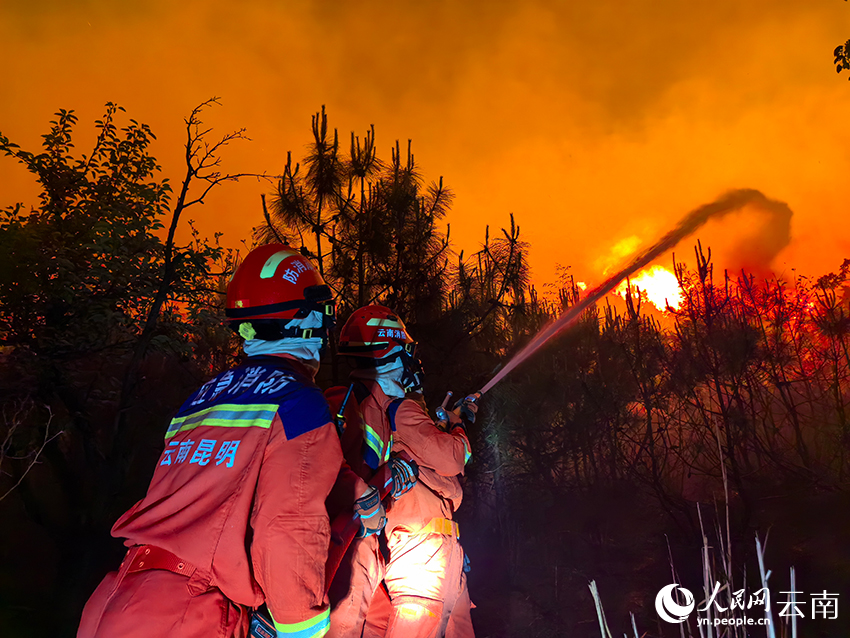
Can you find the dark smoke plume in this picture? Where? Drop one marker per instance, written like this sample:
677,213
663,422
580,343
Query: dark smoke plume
755,253
728,203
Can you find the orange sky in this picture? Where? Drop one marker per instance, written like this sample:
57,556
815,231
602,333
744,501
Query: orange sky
593,122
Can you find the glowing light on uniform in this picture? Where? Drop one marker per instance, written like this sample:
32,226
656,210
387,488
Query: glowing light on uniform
658,284
412,612
426,569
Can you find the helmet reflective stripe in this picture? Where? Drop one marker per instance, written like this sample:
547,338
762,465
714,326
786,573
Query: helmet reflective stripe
371,332
388,323
273,262
278,283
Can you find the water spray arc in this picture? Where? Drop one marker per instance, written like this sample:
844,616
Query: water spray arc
728,203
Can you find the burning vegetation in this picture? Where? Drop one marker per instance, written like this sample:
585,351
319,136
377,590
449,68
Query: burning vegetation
657,285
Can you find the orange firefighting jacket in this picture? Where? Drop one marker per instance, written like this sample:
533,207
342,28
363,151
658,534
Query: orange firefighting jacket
441,457
240,490
366,441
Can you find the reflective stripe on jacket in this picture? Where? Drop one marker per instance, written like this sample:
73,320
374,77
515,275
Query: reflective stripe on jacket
366,440
240,490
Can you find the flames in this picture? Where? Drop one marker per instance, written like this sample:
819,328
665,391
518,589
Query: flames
655,283
658,284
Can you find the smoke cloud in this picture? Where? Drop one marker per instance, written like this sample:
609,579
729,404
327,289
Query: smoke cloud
748,237
590,121
757,253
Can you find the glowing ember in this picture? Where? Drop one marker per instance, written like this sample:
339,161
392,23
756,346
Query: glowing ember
658,284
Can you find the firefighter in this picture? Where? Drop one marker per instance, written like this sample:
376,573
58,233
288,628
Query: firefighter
366,446
235,513
424,575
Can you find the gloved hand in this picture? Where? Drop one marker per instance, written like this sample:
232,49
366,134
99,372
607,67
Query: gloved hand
442,421
371,511
404,475
454,420
442,415
467,407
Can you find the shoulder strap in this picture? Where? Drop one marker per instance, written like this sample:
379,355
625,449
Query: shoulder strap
392,408
361,392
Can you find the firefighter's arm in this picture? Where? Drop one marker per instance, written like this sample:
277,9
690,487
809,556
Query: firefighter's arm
291,529
444,452
347,489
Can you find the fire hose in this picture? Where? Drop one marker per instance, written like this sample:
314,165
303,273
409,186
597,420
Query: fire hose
730,202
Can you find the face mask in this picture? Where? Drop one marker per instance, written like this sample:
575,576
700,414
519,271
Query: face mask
308,350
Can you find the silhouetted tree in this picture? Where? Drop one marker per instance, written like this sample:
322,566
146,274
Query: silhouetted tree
377,219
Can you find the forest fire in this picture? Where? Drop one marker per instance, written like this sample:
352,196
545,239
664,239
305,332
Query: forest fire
737,396
639,446
658,284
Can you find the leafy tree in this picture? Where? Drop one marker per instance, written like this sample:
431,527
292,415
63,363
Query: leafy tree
87,269
78,268
87,272
98,304
842,56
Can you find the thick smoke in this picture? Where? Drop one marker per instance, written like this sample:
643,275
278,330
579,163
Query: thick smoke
756,251
546,109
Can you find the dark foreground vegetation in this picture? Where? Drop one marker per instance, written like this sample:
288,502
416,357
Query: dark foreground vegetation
590,459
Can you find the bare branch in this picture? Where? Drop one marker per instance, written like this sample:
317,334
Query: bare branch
33,455
215,179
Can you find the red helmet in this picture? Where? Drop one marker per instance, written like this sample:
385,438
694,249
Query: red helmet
376,336
373,332
274,285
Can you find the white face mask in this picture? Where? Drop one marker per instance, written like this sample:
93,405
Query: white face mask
307,351
388,376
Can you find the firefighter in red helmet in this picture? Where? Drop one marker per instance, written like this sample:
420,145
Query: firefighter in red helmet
366,445
424,575
235,513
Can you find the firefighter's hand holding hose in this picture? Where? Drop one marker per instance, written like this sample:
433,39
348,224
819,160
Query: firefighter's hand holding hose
442,421
464,412
467,407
